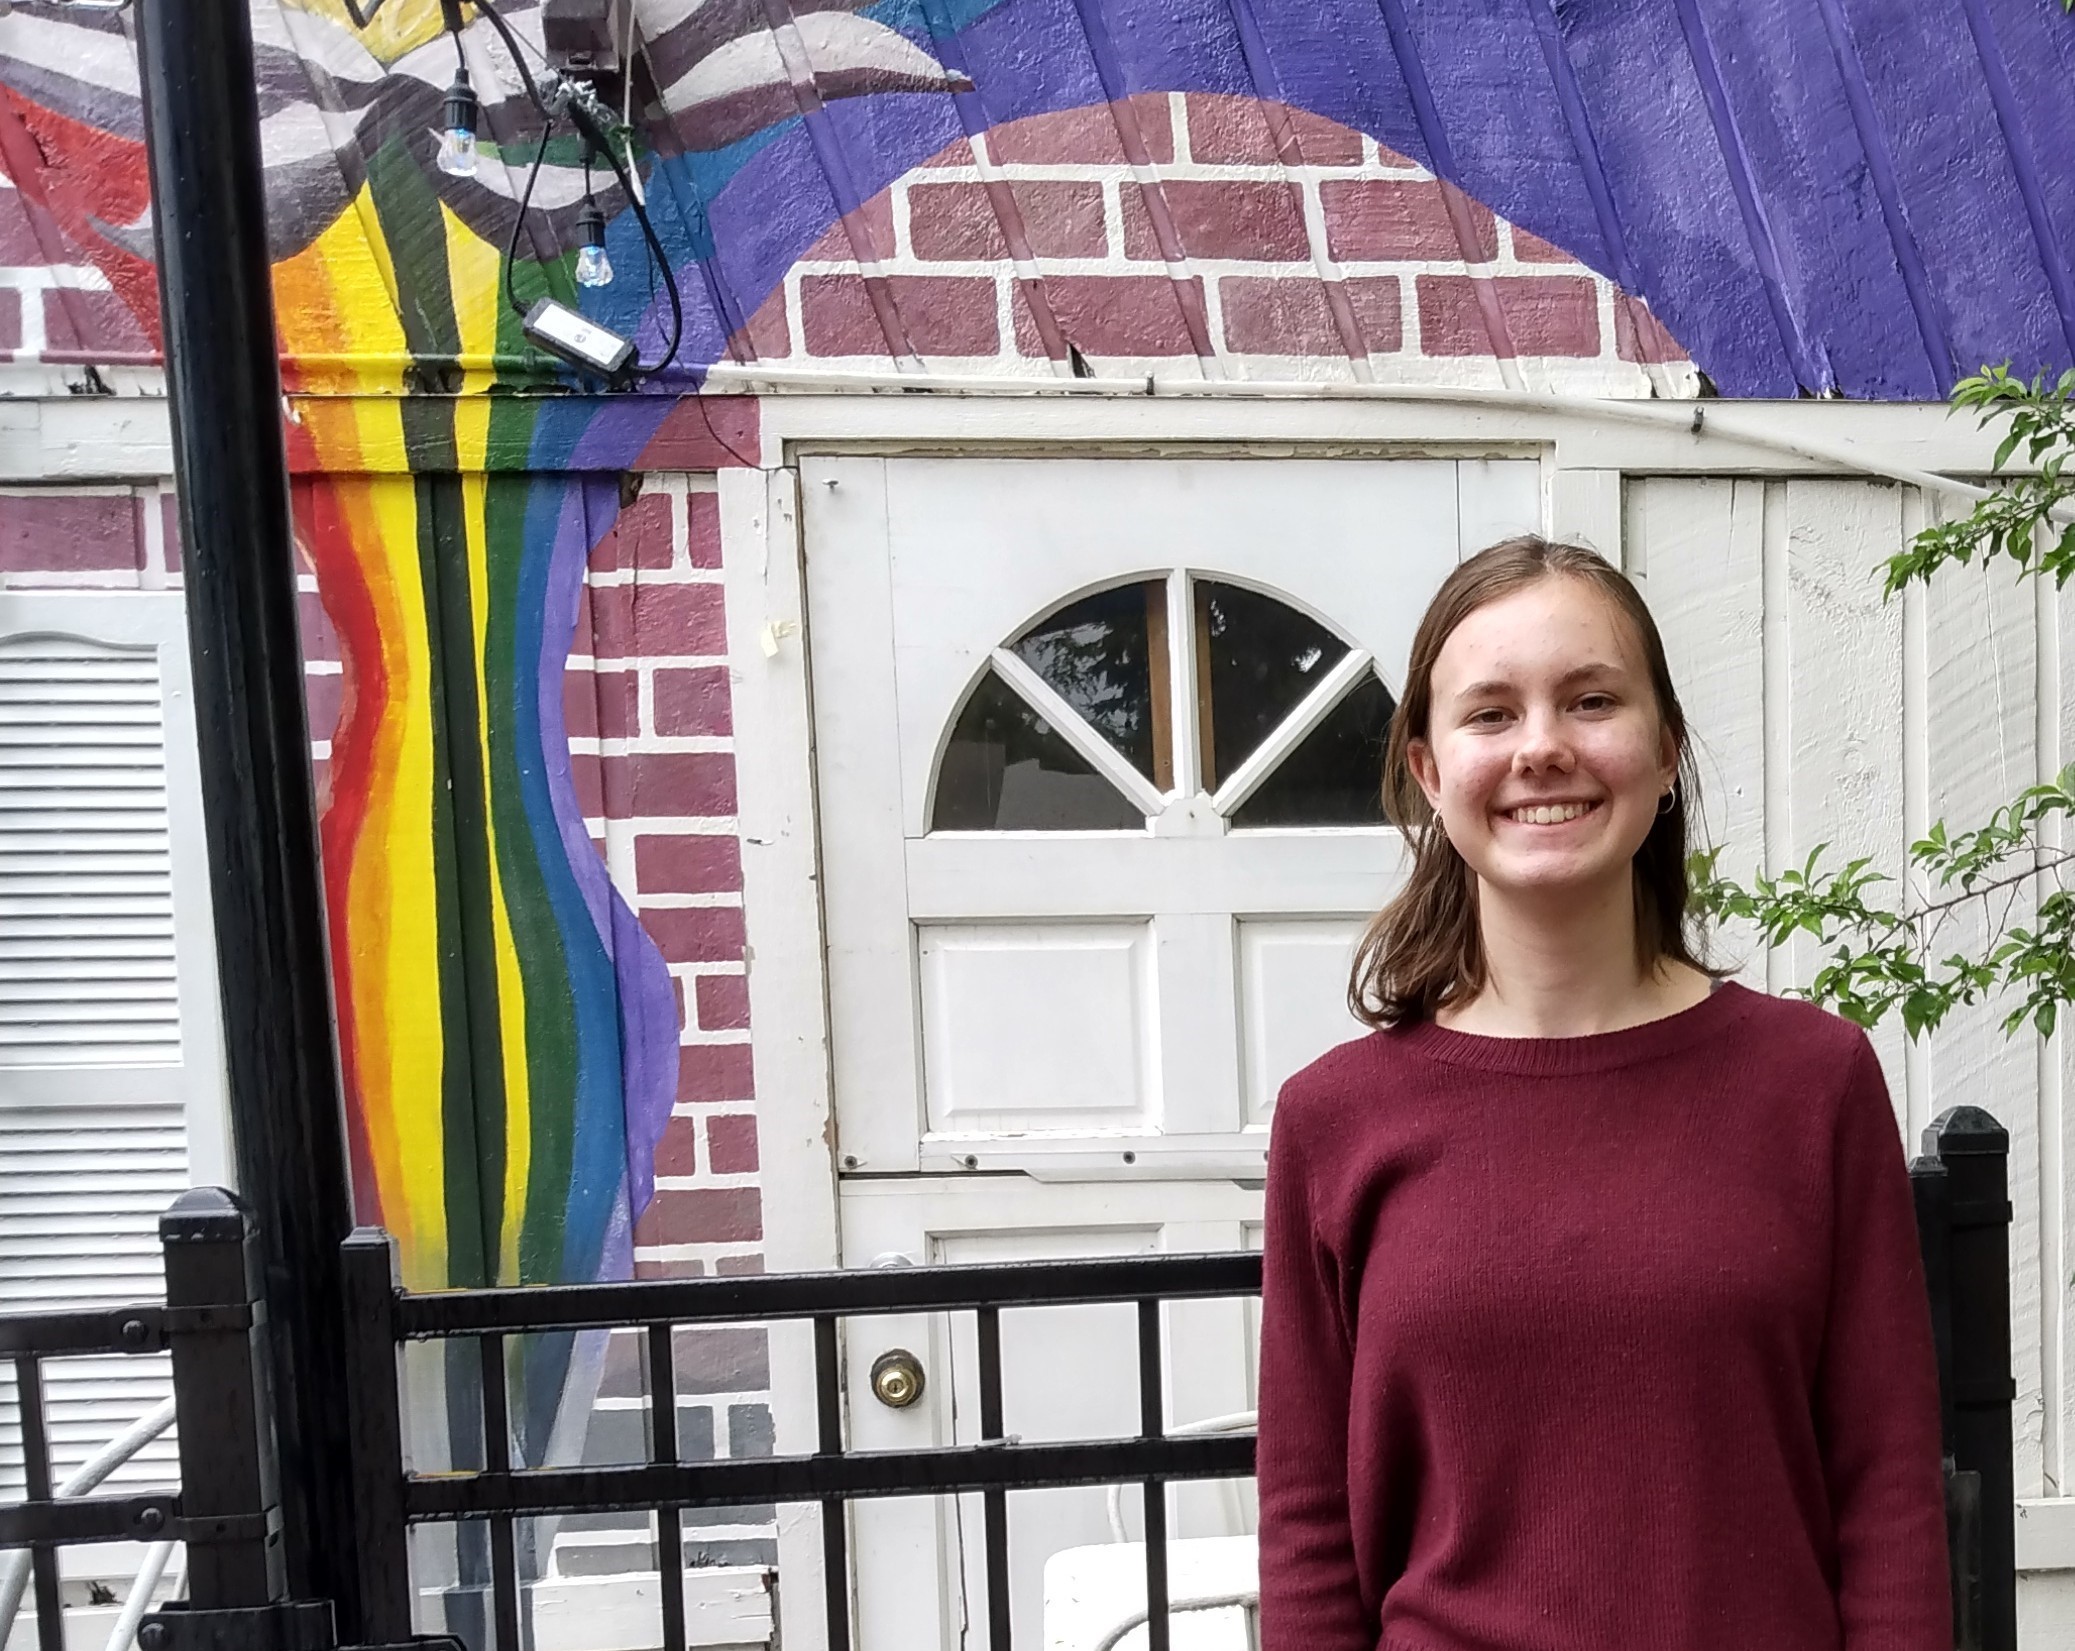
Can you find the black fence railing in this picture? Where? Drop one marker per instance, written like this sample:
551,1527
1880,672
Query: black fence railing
226,1508
831,1476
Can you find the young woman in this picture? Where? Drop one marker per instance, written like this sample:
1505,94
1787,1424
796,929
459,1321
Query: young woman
1593,1316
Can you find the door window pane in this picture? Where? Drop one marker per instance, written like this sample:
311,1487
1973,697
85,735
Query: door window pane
1097,654
1007,769
1335,777
1255,659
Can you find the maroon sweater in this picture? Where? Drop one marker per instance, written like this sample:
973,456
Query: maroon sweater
1610,1343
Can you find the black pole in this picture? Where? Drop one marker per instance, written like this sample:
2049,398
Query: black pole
201,125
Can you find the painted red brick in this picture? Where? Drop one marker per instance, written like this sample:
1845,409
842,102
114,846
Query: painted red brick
656,620
677,1153
953,154
693,701
50,531
866,233
169,509
1379,311
1530,248
731,1138
704,511
705,433
696,934
1243,131
837,318
1221,220
1546,315
76,320
693,863
1639,335
639,538
608,701
1397,218
320,641
731,1266
10,305
1125,314
646,1268
710,1072
767,334
1087,136
723,1003
963,220
941,314
671,784
587,778
1268,316
18,242
321,694
706,1215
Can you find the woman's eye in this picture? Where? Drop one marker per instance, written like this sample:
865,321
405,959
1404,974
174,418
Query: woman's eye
1490,717
1596,702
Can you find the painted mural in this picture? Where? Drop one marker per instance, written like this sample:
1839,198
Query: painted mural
1849,197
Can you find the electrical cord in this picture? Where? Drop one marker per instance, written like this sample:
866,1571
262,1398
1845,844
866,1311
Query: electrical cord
571,101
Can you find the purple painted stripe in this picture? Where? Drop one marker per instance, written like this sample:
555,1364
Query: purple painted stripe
1570,98
1880,166
2023,166
1756,225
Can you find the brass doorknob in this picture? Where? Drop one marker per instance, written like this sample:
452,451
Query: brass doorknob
897,1379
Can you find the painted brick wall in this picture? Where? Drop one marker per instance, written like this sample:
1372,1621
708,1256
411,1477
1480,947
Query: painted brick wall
1198,234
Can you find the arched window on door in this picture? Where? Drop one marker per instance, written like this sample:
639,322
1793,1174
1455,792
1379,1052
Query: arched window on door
1117,705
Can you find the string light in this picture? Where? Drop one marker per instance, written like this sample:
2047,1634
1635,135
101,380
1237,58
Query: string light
457,139
593,267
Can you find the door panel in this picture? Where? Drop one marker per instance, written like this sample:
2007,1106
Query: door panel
1097,745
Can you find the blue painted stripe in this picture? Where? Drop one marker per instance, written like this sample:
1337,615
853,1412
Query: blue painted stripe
2023,166
1880,167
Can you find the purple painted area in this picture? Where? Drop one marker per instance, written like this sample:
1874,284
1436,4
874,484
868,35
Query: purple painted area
646,999
1847,196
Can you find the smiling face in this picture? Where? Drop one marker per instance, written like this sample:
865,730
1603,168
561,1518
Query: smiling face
1545,754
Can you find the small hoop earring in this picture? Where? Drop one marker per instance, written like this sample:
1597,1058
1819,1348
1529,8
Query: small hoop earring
1669,801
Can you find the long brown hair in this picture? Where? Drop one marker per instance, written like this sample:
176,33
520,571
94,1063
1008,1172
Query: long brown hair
1425,949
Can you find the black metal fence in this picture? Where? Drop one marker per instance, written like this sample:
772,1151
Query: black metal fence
226,1509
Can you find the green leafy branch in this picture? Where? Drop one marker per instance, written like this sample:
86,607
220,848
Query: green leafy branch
1884,956
2009,523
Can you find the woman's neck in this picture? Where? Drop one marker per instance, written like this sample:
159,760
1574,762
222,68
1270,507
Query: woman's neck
1567,968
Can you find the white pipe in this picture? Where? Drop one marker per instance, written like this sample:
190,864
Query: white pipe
1712,417
14,1568
1209,1424
138,1600
1210,1602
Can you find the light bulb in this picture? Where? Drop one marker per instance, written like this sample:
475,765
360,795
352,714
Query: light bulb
457,152
593,268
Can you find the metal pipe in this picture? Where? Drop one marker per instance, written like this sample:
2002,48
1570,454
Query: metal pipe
201,128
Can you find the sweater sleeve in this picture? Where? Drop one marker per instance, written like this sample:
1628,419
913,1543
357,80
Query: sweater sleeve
1310,1595
1876,1399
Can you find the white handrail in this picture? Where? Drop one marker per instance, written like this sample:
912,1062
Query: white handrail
14,1569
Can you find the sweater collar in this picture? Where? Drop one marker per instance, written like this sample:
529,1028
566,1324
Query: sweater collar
1592,1052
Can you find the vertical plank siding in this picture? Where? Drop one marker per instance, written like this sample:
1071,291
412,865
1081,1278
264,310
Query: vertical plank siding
1823,714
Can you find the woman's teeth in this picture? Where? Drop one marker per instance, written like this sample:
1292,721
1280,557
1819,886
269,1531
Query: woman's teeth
1554,814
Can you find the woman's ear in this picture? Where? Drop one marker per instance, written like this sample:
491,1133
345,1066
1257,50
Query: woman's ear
1668,755
1419,757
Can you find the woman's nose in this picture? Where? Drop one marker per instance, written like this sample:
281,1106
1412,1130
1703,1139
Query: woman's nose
1542,745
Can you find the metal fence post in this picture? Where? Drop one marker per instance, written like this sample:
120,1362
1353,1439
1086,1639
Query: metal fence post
1975,1150
374,1415
228,1490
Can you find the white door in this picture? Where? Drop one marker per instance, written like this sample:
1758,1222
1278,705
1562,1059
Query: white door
1097,750
111,1062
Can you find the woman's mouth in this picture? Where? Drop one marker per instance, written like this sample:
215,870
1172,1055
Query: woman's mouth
1544,814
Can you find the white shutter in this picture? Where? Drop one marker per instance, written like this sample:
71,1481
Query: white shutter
110,1055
